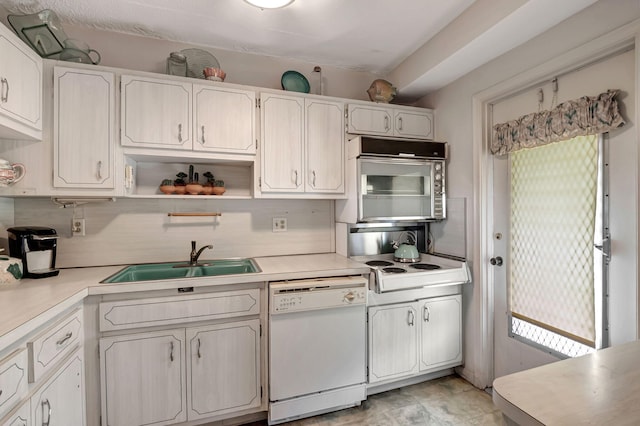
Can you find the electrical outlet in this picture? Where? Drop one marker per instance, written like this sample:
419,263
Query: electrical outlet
77,227
279,224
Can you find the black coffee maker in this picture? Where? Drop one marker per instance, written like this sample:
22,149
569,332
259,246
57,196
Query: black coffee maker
36,246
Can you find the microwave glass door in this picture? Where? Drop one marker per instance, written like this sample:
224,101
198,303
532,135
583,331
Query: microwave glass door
395,189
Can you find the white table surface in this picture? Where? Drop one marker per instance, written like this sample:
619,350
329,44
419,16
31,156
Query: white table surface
602,388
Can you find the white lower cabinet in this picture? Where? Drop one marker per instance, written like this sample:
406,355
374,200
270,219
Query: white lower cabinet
406,339
223,369
184,373
60,401
18,417
143,378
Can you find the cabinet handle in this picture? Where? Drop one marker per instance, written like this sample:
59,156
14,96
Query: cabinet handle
48,412
314,177
203,141
0,392
171,353
180,132
426,313
5,85
64,339
199,354
386,122
295,172
399,123
100,170
410,318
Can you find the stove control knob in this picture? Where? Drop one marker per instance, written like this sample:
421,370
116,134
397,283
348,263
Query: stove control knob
349,297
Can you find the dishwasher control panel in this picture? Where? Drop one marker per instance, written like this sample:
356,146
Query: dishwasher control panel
303,295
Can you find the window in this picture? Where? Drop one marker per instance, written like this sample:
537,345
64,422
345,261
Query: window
556,277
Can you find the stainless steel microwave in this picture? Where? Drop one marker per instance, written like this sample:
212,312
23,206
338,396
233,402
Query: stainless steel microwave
392,180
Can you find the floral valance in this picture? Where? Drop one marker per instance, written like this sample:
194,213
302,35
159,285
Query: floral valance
585,116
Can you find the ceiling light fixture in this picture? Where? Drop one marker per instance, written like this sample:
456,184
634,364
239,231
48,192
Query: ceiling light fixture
269,4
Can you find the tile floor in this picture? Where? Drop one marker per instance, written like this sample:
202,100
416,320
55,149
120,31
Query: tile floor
449,400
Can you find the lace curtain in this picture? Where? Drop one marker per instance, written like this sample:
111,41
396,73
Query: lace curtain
588,115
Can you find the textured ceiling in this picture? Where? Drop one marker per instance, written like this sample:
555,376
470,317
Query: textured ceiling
365,35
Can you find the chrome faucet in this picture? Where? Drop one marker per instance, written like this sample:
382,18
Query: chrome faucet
193,258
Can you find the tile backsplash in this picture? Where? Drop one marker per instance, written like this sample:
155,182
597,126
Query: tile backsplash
130,231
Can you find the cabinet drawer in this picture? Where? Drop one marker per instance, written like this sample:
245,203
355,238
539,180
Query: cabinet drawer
19,416
13,379
180,309
54,344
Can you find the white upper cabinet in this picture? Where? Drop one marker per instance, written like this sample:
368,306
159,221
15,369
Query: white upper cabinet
413,124
302,147
155,113
282,143
84,126
392,121
20,89
325,152
224,119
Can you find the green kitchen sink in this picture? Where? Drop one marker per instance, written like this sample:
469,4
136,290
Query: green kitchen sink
179,270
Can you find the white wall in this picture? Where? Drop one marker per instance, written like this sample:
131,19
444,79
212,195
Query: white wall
454,123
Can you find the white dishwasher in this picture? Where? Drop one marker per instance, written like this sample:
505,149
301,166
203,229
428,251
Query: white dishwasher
317,346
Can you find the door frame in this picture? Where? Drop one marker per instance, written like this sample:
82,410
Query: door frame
610,44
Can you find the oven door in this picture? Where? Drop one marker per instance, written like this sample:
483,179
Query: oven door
398,189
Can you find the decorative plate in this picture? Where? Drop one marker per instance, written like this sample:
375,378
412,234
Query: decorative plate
295,82
42,31
198,60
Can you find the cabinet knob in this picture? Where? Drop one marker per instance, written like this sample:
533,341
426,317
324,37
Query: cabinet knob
410,317
4,96
386,122
203,140
99,170
171,352
399,123
426,314
180,132
313,172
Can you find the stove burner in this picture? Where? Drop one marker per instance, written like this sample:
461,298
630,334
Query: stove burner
378,263
425,266
394,270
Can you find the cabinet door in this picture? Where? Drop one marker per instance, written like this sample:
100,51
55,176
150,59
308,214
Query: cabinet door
324,132
282,143
143,379
370,120
20,82
83,126
224,120
155,113
223,369
393,341
60,401
414,124
19,416
441,320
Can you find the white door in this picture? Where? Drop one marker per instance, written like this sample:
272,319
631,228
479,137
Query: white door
325,156
223,370
441,335
282,120
413,124
224,120
60,401
143,379
83,128
393,341
155,113
510,355
21,83
370,120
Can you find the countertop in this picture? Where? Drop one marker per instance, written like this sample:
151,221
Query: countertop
33,302
599,388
